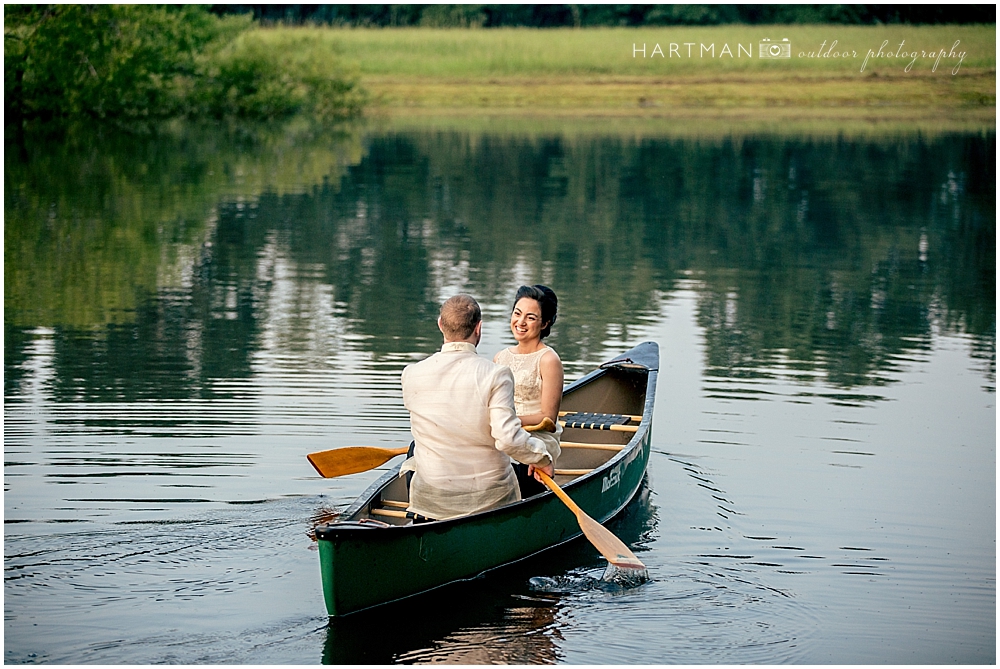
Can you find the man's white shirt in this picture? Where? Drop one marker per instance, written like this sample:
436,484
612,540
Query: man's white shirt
466,432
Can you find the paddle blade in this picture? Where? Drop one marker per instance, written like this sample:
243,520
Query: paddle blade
351,460
610,546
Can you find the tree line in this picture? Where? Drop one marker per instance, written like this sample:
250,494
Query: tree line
557,16
135,63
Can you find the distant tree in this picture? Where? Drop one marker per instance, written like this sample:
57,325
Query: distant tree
104,61
692,15
453,16
553,16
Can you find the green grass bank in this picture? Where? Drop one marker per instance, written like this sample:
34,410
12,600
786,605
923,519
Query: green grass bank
944,76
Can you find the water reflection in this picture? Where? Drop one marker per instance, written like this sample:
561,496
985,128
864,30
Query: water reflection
165,263
190,313
466,624
502,618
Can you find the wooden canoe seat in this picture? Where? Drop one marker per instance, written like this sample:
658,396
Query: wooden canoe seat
631,417
599,421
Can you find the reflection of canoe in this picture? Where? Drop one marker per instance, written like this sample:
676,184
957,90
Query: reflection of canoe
374,554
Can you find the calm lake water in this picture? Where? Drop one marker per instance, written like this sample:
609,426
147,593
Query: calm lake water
186,316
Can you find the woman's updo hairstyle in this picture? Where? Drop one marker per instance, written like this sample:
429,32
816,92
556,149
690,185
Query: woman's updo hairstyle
546,299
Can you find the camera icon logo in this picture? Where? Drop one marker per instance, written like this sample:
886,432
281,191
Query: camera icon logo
768,49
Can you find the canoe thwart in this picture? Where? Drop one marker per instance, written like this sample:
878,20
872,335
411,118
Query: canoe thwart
596,447
391,513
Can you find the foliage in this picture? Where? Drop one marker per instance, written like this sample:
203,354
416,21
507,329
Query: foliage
246,78
118,61
452,16
552,16
139,62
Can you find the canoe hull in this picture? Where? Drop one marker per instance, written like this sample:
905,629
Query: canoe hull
365,565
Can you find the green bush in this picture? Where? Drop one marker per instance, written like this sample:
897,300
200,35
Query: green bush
136,62
265,74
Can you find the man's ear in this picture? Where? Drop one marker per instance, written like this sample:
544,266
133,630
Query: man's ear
479,329
439,325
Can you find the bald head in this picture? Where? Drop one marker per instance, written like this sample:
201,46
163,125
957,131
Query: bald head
459,317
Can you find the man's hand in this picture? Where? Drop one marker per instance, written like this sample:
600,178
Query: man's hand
549,469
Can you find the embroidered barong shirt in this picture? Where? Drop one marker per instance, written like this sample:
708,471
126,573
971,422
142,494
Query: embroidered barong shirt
466,432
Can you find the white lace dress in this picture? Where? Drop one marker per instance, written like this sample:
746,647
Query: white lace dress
528,390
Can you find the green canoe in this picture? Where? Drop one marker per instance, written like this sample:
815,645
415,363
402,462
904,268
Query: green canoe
374,555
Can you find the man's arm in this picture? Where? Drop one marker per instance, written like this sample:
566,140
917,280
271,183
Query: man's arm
505,426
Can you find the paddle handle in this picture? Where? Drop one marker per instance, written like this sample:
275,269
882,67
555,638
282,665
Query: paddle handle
545,426
560,493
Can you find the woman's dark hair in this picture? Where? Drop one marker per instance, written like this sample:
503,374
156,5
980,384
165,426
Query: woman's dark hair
546,299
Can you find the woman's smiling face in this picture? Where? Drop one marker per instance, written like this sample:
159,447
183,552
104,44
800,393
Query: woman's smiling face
526,320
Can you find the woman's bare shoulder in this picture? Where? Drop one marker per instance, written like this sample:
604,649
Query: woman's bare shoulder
550,357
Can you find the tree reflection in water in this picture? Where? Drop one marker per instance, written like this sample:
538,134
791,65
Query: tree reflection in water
819,256
497,619
146,278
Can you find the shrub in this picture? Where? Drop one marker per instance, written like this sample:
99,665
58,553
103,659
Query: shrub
264,74
135,62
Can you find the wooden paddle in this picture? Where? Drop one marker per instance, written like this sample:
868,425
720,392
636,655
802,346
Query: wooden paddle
545,426
610,546
354,459
351,460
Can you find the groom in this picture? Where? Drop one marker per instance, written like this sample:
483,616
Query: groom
463,423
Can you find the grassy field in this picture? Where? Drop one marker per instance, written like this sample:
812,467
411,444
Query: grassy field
942,75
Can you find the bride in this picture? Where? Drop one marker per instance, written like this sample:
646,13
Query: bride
538,373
